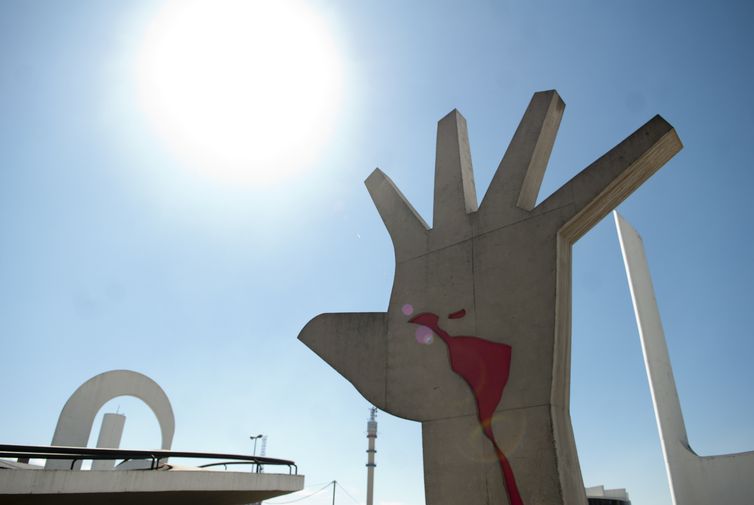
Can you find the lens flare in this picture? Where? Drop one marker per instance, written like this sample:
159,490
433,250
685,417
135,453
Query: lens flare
424,335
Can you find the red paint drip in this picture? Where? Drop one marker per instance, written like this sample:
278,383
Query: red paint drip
457,314
485,366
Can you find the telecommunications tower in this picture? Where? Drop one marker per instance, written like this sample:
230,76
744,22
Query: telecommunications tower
372,437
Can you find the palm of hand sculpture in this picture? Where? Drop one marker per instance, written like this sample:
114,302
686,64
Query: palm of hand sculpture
485,367
507,263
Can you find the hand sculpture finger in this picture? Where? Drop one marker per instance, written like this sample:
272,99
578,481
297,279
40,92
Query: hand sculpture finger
516,182
407,229
604,184
455,194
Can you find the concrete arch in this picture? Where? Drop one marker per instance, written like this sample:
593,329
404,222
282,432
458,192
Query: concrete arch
77,417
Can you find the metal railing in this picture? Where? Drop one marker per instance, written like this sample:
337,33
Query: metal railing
76,454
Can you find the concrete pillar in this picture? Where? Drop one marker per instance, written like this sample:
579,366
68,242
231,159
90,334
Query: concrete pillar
109,437
726,479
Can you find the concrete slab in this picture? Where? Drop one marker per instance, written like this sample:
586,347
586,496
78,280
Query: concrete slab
37,487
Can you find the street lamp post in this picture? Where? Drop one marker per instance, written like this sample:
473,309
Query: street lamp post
255,438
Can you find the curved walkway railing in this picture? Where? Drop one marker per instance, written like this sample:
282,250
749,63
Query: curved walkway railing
90,453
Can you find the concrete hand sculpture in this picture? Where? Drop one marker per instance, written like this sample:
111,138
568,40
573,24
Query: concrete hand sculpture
494,399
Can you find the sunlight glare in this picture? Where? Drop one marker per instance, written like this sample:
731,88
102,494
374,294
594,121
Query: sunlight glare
245,91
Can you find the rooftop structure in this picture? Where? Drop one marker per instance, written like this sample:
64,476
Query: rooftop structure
142,476
598,495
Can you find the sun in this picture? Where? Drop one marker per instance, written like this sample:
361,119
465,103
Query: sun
244,91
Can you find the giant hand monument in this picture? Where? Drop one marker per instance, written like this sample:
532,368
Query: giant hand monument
476,341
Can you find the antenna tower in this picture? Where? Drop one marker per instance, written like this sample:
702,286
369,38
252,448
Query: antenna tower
371,437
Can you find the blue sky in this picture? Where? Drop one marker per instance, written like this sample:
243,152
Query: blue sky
115,254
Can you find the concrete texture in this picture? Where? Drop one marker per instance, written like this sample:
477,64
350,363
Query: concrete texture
694,480
507,263
76,418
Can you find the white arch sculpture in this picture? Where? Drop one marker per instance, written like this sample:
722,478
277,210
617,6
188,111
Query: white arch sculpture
727,479
77,417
